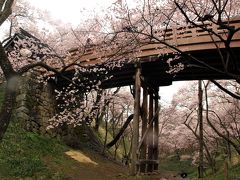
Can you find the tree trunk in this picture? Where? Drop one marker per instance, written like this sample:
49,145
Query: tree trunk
226,175
10,94
99,114
106,130
121,131
6,110
200,119
229,149
97,122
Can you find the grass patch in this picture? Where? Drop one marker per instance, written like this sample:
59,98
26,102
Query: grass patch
25,155
22,154
233,173
174,164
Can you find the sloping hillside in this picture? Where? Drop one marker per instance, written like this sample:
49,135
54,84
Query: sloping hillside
30,156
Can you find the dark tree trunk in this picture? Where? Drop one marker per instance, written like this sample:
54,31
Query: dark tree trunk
200,119
121,131
10,94
99,116
6,110
97,122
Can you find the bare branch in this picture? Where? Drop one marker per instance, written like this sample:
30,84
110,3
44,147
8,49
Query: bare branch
225,90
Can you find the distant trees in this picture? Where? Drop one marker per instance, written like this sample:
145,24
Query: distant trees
222,114
220,121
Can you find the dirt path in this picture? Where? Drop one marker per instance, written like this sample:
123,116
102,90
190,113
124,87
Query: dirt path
167,176
86,165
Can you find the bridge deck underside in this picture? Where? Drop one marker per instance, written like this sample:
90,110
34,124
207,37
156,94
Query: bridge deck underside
155,71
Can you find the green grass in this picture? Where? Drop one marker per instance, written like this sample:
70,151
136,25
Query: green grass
233,174
120,150
23,154
174,164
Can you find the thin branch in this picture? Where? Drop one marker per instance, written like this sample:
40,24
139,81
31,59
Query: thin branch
225,90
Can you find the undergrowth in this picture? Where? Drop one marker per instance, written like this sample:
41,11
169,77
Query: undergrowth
120,150
22,154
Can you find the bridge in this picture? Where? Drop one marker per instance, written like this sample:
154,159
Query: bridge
202,54
193,41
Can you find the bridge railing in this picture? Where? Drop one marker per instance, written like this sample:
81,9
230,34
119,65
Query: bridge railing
187,38
177,33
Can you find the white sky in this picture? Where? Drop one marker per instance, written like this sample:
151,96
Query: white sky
167,92
73,11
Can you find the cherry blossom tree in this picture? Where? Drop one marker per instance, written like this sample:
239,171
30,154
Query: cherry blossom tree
126,28
222,113
220,121
187,108
142,22
29,53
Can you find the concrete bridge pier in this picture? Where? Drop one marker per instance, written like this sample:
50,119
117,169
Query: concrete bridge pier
145,149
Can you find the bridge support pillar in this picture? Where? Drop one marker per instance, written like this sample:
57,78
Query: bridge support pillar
135,138
156,129
145,151
150,133
143,147
148,146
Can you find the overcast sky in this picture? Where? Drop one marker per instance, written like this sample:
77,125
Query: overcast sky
72,11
